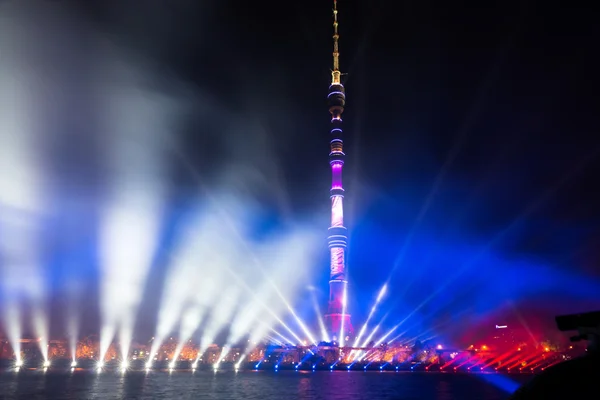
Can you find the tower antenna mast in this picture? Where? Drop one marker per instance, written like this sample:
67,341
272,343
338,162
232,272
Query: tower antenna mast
335,74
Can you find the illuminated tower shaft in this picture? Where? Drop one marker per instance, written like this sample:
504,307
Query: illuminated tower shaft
337,316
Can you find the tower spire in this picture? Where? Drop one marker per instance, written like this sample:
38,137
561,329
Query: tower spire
335,73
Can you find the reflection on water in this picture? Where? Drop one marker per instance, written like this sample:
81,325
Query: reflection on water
249,385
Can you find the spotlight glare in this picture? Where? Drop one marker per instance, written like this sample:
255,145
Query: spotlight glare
74,364
381,293
172,365
46,364
19,363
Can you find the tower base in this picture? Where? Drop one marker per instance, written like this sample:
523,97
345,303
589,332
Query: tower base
334,325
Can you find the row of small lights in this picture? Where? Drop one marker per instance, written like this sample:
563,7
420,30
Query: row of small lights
125,364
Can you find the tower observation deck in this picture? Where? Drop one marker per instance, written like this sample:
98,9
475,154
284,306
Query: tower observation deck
337,317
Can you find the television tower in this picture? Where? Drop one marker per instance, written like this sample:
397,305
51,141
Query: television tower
337,317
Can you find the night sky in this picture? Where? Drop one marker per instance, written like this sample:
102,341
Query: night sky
471,135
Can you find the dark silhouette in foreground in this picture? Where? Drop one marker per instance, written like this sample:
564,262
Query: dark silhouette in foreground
573,379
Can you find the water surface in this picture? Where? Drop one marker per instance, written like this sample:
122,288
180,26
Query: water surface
255,385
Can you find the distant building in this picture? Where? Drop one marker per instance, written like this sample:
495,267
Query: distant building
504,337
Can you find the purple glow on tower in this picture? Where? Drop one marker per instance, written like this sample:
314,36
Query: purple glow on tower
336,175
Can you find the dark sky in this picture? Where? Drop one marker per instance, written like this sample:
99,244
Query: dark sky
496,99
471,134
